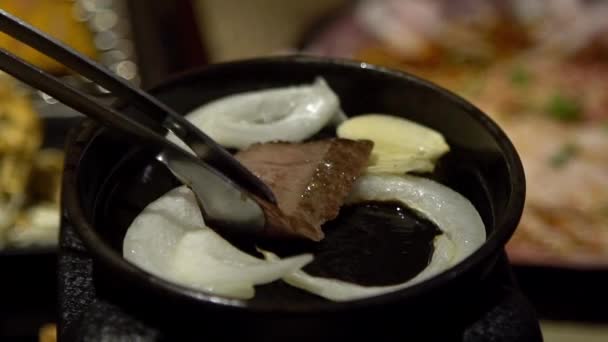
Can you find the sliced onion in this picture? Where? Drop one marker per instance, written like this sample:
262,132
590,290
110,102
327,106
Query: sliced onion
281,114
169,239
462,227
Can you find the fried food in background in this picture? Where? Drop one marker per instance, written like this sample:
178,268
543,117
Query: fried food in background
20,139
48,333
38,222
540,69
29,176
55,17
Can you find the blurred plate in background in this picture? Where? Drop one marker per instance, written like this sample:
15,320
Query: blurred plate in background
545,85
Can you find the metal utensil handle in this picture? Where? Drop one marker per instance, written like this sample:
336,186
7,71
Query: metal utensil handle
78,100
203,146
219,196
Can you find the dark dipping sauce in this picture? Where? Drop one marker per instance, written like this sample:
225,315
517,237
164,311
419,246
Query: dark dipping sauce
371,244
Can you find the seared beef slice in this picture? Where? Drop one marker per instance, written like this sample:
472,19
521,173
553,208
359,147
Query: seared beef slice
310,181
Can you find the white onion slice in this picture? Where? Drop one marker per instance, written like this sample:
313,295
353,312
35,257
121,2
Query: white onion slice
169,239
462,227
281,114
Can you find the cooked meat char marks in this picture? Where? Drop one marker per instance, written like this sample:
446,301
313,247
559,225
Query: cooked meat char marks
310,181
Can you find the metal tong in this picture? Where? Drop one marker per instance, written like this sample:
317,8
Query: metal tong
223,187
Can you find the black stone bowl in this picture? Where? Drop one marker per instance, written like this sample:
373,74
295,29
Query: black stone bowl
108,180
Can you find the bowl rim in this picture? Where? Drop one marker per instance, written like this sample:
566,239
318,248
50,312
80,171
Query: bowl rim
86,131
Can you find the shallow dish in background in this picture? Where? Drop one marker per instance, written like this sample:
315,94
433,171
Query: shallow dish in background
547,91
107,182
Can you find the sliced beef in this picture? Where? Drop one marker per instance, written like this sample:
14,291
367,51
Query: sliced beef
310,181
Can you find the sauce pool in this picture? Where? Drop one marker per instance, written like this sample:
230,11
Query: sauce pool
370,244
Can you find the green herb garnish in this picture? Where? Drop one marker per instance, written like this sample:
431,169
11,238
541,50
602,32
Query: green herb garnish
474,86
520,77
564,108
565,154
